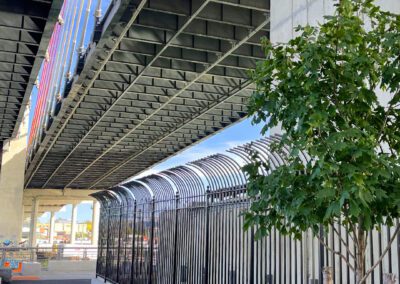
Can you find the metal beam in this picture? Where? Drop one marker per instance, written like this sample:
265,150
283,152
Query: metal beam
101,131
129,159
221,58
58,194
110,52
45,38
32,9
188,21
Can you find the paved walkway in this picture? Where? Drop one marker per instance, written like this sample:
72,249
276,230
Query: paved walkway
69,281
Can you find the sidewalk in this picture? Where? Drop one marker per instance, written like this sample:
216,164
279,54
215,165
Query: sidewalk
68,281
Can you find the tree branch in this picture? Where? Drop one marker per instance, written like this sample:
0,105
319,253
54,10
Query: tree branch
382,255
343,241
352,227
357,244
336,252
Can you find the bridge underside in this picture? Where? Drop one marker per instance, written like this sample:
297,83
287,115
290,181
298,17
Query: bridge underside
163,75
25,29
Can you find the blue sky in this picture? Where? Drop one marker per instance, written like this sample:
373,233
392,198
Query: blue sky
235,135
84,213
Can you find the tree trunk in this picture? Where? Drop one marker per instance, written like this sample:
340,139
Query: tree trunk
328,275
360,256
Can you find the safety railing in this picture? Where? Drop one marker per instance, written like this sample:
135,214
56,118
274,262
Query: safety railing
185,225
12,257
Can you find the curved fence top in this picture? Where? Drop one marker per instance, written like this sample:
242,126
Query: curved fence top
214,173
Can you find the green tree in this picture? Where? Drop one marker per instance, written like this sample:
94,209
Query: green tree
321,89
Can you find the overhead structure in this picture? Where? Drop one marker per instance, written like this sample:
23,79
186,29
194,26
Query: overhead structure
25,30
53,199
159,76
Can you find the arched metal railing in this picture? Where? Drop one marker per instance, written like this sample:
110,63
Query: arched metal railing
185,225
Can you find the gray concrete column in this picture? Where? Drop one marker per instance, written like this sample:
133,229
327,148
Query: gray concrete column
52,226
95,222
23,217
74,224
34,217
12,183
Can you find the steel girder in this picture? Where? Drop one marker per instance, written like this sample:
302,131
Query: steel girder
25,30
162,77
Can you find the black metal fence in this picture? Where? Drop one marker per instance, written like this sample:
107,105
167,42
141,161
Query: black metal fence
184,225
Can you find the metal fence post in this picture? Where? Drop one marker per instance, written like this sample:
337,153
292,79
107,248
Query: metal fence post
321,254
176,237
153,203
207,236
108,243
252,255
119,241
133,243
125,263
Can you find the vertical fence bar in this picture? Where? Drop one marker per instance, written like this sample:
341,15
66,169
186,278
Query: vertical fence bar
175,239
207,233
107,246
119,241
398,252
133,243
150,279
321,254
252,255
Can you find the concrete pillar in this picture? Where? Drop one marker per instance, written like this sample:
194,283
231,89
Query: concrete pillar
95,222
52,226
34,217
23,216
12,183
74,224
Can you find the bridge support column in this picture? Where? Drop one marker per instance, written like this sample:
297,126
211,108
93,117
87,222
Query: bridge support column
33,224
52,226
74,224
95,222
12,184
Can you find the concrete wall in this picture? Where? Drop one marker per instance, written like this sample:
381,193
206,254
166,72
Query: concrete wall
12,184
72,266
286,15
